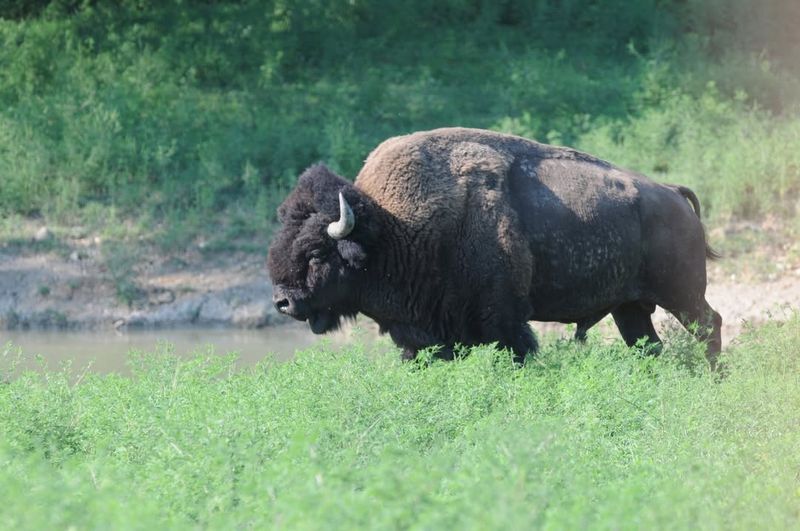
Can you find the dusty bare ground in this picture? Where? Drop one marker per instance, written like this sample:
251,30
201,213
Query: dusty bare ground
71,286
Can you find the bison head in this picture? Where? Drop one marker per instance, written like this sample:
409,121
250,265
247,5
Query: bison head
317,254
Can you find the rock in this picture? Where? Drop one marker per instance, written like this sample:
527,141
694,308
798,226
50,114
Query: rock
182,312
43,234
9,320
162,296
215,311
78,233
48,319
77,256
253,315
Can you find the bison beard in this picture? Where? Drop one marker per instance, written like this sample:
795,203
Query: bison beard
322,322
462,236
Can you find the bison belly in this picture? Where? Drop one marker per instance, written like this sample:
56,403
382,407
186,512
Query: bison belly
581,272
585,234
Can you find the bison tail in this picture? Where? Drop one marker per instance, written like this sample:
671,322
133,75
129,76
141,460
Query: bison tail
711,254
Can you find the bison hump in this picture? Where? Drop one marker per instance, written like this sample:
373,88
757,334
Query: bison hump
471,160
425,179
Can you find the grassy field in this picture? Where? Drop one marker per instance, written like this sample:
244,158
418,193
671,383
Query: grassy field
590,436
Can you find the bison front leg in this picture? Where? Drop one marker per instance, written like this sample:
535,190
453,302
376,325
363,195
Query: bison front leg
412,339
444,353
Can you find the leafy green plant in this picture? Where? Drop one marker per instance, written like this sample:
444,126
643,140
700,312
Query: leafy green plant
591,435
120,260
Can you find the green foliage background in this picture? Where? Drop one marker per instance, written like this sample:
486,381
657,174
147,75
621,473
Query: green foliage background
187,112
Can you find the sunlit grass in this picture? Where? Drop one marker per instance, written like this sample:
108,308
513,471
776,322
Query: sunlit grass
583,436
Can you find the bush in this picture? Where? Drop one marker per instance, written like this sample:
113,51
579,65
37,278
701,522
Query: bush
174,110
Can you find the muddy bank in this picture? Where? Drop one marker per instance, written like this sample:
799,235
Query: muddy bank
76,290
72,287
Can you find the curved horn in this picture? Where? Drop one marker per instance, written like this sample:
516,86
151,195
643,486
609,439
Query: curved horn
347,220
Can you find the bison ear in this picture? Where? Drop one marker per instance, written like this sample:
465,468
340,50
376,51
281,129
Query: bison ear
352,253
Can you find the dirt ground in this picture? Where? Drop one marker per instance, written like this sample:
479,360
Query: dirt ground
71,286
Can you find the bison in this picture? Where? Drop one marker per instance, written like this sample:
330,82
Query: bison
461,236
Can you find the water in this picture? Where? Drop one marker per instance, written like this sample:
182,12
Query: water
106,351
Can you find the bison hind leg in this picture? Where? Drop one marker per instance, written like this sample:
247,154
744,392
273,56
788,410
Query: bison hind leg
585,324
705,324
634,323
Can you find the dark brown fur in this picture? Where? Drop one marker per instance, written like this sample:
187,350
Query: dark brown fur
462,236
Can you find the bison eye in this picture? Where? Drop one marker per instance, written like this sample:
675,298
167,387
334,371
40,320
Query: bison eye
315,257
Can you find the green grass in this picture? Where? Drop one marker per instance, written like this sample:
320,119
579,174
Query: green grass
589,436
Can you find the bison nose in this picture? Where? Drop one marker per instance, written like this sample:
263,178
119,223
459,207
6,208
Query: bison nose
286,304
282,304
